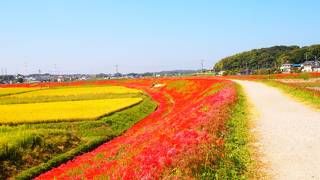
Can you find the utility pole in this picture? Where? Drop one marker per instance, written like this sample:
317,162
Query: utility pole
26,68
117,68
55,69
202,65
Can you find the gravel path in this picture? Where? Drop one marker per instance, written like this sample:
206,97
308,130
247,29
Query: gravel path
289,133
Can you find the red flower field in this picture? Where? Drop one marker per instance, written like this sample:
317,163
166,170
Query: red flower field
190,113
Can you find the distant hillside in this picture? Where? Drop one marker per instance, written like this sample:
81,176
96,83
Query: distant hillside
267,58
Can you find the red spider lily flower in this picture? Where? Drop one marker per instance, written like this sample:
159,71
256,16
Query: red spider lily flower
190,112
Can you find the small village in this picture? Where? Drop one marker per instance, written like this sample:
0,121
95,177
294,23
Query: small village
47,77
307,66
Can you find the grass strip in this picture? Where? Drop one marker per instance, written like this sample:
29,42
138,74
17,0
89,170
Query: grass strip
236,158
309,97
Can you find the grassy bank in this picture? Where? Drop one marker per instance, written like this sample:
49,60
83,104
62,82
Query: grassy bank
31,149
235,159
302,94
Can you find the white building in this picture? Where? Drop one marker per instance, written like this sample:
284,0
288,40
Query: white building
286,68
311,66
220,73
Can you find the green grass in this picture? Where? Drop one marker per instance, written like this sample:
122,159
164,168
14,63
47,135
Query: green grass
27,150
300,93
180,86
236,160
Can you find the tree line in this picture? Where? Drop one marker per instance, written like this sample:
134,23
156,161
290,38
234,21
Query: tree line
267,60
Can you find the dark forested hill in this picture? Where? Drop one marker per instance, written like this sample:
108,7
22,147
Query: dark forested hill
267,58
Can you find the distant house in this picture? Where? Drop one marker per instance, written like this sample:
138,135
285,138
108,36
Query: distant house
286,68
133,75
31,80
297,65
310,66
83,78
245,72
60,79
220,73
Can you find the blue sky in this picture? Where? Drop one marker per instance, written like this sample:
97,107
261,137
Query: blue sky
82,36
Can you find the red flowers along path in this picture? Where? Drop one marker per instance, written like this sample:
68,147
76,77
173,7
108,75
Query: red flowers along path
176,136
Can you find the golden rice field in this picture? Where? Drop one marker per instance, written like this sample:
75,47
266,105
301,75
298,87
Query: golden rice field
51,124
32,105
68,94
78,91
62,111
8,91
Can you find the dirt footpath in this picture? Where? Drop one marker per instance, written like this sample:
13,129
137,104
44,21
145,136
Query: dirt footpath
289,133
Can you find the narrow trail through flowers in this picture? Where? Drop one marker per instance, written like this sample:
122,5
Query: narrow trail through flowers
190,113
288,133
